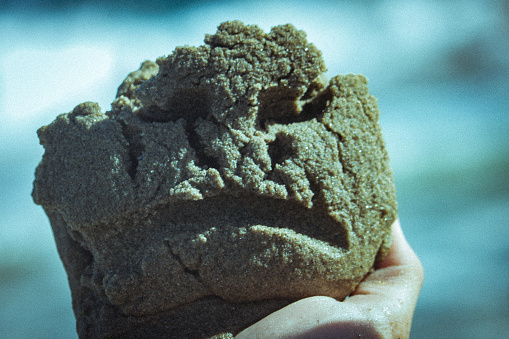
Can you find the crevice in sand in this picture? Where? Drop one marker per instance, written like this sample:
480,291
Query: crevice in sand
196,144
235,211
194,273
184,103
132,135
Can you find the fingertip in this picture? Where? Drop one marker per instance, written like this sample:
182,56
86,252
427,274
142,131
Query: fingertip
400,253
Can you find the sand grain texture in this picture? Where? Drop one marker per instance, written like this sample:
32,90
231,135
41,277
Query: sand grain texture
227,181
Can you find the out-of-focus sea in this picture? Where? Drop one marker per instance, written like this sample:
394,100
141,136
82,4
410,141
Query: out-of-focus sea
440,70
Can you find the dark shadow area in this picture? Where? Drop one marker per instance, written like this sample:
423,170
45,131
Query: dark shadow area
191,321
344,331
189,104
249,210
197,145
132,134
186,103
279,105
281,148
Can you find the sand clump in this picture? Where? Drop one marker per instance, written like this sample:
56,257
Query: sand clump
227,181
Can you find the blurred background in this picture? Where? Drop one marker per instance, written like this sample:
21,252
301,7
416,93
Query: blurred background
439,69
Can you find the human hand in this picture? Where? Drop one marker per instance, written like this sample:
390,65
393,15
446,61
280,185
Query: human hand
382,306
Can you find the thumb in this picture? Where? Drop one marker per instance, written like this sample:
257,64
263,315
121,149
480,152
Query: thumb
393,287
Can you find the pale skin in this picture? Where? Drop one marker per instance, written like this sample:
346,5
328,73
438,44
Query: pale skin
382,306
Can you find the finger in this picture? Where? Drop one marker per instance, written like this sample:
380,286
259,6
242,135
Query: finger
400,252
314,317
394,286
382,306
401,269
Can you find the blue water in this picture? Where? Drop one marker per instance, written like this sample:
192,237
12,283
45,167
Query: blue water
438,69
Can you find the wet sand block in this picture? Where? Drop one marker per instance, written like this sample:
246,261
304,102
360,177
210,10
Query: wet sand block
227,181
